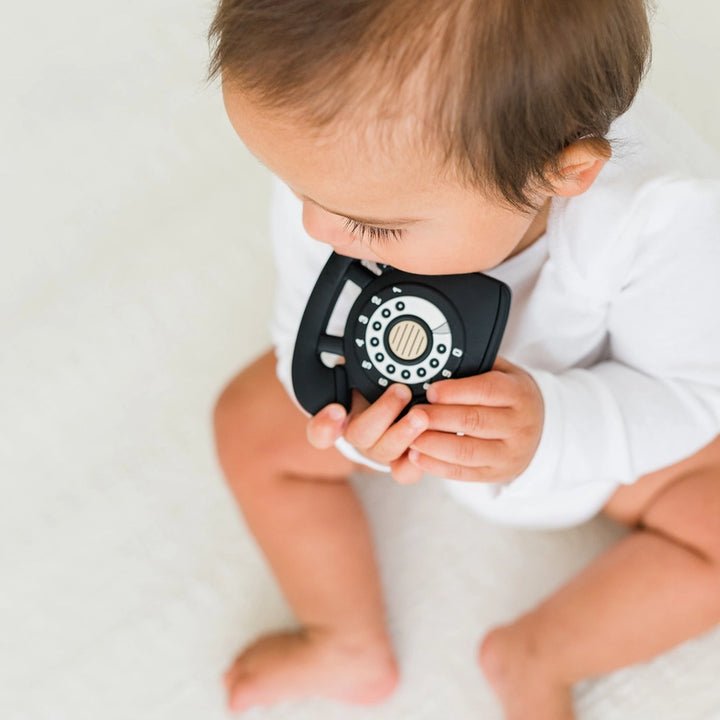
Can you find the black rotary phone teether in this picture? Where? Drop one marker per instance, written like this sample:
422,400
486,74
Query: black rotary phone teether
404,328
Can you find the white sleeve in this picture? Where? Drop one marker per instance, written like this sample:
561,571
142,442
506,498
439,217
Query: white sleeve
656,399
298,262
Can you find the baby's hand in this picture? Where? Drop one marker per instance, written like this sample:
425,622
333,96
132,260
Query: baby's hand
373,431
484,428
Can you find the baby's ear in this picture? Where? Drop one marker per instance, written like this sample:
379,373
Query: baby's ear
577,167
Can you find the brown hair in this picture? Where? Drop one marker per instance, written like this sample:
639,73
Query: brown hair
500,87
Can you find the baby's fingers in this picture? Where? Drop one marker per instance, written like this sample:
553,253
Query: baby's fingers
396,440
461,450
367,427
404,472
327,426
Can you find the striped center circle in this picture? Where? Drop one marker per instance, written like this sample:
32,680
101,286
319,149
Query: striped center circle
408,340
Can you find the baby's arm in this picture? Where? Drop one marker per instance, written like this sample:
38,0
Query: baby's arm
656,400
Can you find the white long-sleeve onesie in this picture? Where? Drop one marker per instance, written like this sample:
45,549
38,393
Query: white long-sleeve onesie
615,314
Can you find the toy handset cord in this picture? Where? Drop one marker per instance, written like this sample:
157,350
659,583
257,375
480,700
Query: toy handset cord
402,328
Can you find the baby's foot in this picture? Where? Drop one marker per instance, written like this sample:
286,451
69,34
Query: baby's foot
525,689
295,664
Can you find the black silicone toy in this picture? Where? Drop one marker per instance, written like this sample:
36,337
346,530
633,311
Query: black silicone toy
411,329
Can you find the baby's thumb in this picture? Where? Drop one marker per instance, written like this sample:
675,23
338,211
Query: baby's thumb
327,426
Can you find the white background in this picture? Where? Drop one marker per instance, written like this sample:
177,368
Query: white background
135,281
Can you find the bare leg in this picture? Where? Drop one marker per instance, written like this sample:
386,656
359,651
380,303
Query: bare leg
311,527
650,592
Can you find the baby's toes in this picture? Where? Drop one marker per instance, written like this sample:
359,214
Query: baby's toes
238,682
243,692
236,669
251,678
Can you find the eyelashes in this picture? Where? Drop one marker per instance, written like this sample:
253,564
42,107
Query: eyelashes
370,233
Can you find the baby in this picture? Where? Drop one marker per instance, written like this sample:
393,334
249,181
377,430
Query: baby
457,136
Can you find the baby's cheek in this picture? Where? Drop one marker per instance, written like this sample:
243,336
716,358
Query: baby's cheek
312,222
325,228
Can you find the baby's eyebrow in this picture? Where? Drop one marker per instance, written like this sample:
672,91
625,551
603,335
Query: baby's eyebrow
365,221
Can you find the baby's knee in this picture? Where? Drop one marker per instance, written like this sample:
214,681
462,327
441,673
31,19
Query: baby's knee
245,425
228,415
688,511
507,652
260,434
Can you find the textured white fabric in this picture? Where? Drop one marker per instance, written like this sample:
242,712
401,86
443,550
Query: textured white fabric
614,314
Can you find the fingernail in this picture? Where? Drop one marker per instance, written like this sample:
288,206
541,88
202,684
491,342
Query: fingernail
431,394
336,412
413,455
402,391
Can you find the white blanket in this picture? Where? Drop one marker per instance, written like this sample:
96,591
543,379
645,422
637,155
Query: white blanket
135,281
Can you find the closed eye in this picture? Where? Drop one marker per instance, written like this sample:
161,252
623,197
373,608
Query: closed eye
371,233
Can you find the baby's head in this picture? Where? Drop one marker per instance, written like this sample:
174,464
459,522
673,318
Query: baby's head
429,134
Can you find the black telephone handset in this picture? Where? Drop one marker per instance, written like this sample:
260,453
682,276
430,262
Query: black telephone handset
405,328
